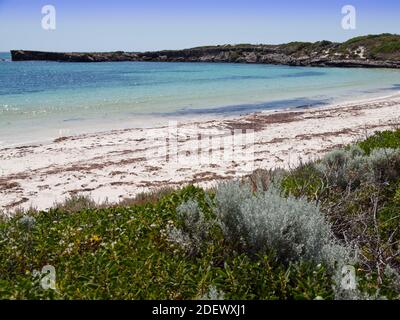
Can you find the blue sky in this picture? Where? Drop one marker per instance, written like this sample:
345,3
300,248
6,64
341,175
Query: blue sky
97,25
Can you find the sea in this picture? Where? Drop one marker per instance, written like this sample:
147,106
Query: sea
40,101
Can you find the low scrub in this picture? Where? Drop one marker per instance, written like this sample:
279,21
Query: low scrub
272,235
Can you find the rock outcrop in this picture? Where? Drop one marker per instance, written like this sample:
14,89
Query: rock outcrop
374,51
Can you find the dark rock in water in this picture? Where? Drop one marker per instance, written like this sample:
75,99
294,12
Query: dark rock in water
374,51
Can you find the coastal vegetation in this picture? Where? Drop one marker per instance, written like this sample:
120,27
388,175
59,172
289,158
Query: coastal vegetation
384,46
283,234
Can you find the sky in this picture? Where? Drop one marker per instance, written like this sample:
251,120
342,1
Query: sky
98,25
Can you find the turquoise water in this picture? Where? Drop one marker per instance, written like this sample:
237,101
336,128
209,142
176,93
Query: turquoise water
39,98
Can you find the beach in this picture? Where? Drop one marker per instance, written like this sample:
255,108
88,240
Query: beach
117,164
199,151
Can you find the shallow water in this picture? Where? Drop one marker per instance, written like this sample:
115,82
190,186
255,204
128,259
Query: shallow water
43,99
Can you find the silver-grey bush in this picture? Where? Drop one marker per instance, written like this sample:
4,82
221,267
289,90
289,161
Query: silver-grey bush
195,228
349,168
262,222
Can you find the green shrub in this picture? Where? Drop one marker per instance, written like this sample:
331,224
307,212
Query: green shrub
385,139
303,181
388,47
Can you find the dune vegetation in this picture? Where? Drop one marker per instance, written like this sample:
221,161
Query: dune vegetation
283,234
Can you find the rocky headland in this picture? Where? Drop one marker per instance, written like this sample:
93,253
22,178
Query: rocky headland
374,51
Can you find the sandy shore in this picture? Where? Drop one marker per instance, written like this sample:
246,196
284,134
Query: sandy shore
122,163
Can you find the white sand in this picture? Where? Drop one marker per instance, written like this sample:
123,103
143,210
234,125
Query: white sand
122,163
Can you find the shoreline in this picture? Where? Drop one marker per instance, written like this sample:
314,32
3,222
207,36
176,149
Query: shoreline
117,164
153,120
340,64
